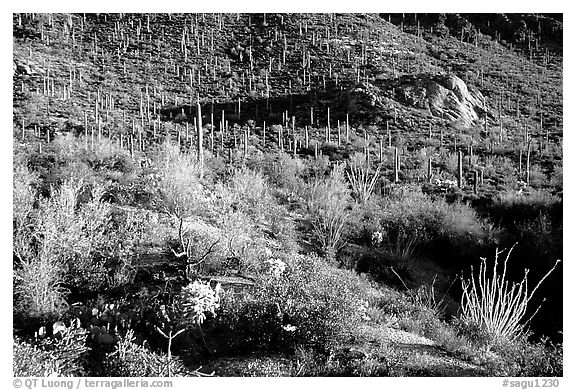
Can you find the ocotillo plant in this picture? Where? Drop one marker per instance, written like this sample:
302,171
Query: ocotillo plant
362,182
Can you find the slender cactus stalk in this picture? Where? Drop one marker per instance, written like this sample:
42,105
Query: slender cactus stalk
200,135
460,182
396,163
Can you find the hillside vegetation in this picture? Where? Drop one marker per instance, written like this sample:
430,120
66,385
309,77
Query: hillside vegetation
287,194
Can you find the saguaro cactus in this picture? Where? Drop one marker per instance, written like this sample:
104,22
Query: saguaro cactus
347,129
245,143
460,183
200,146
528,162
475,181
396,163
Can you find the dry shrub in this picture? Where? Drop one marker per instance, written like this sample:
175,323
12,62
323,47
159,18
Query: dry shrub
72,239
302,301
179,191
38,275
63,356
327,201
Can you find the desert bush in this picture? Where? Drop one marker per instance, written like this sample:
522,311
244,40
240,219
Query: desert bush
228,242
250,187
38,275
79,240
134,360
475,334
239,220
23,208
176,181
128,231
198,298
103,155
303,301
318,167
524,358
556,177
310,363
327,201
283,172
512,207
247,202
425,296
422,321
62,356
409,221
451,163
39,286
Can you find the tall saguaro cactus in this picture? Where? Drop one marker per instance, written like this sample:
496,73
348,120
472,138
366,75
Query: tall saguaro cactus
396,164
460,169
528,162
200,146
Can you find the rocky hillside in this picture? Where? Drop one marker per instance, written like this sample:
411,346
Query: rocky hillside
335,174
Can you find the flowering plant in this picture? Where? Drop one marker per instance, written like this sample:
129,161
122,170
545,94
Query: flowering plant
199,298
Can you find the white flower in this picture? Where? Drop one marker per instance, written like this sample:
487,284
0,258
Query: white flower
289,328
363,309
198,298
277,267
376,238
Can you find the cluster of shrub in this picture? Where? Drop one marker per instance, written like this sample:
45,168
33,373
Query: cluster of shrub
296,230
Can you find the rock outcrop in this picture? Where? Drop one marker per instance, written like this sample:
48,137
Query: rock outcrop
445,96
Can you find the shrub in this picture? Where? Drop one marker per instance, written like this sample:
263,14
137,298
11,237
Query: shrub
511,207
327,202
63,356
39,286
284,172
38,275
78,240
197,299
306,303
410,221
318,167
250,188
529,359
176,180
133,360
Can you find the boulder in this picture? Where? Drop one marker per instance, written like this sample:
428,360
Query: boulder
445,96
